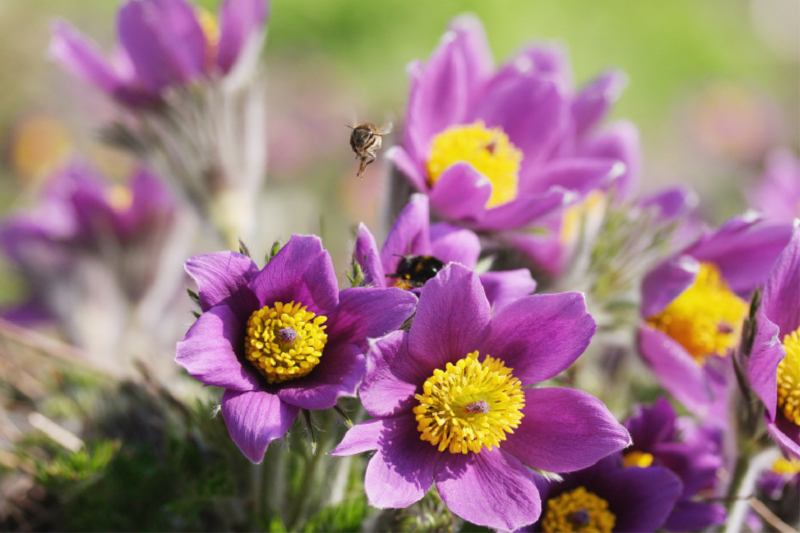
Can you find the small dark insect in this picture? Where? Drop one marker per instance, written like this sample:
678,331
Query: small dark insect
366,141
414,270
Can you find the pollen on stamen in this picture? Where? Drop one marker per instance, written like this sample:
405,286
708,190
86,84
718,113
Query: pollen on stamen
788,378
481,406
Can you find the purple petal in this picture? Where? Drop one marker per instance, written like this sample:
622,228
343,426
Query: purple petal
502,288
695,516
409,235
363,437
209,351
366,254
786,434
762,365
240,20
671,202
30,313
366,312
592,103
491,489
652,425
452,318
666,282
461,193
163,40
440,97
255,419
676,370
641,498
411,169
524,210
781,302
338,373
478,61
392,377
778,194
620,142
302,272
545,250
564,430
222,277
541,335
81,57
401,472
531,111
581,175
455,245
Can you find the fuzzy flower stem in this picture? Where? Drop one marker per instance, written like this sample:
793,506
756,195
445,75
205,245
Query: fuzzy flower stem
746,486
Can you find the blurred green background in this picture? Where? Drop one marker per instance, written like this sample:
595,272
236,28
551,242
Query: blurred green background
714,85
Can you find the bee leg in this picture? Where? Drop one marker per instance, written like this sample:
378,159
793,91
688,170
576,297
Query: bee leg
366,160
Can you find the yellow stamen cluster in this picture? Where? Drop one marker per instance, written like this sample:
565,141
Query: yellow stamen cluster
208,23
489,151
119,197
469,405
578,511
637,458
284,342
786,467
706,318
789,378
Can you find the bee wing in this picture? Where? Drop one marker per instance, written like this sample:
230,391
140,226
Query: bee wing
385,129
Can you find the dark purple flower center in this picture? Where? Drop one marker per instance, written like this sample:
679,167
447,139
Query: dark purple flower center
481,406
580,518
286,336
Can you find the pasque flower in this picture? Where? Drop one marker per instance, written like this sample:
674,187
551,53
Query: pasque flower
451,405
607,497
496,149
690,452
413,235
164,43
694,304
282,338
773,368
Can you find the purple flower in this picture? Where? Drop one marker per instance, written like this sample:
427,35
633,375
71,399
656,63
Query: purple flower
778,193
783,472
693,454
163,43
497,149
81,218
773,368
283,338
412,235
608,497
447,395
693,308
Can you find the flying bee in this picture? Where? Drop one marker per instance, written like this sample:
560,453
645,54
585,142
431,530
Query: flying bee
366,141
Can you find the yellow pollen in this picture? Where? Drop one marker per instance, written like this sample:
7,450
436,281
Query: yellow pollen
578,511
789,378
469,405
119,197
284,342
489,151
706,319
637,458
786,467
208,23
591,209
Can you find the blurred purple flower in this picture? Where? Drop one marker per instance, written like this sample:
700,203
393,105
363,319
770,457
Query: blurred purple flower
164,43
412,235
497,149
783,472
694,456
693,307
773,368
447,394
607,497
778,192
283,338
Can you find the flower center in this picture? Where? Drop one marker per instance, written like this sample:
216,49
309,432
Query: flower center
284,342
469,405
578,511
786,467
208,23
789,378
119,197
637,458
706,318
488,150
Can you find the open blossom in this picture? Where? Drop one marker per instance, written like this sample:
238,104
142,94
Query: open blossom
690,452
777,194
282,338
773,368
451,407
497,149
412,237
694,304
163,43
607,497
